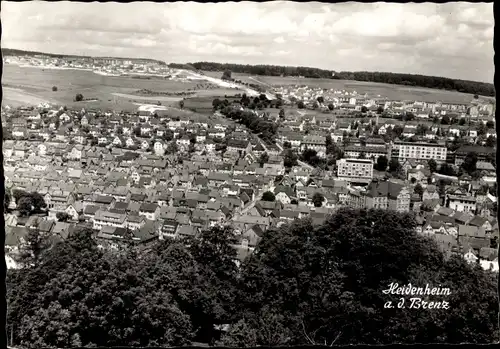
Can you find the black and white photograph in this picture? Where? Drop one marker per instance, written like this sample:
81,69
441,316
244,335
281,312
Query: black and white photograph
247,174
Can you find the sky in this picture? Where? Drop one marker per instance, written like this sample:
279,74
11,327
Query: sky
452,40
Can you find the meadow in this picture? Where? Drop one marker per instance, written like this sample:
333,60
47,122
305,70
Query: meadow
24,86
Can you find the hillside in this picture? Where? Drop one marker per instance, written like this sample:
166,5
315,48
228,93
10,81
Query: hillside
14,52
472,87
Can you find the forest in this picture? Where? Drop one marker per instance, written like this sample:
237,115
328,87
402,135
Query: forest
464,86
304,284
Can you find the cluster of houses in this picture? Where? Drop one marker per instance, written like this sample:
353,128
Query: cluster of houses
100,64
147,176
352,101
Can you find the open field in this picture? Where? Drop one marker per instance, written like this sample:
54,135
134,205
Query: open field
24,86
373,89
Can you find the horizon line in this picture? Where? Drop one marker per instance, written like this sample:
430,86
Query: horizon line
253,65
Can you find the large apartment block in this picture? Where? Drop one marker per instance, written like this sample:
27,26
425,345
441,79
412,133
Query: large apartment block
419,151
355,169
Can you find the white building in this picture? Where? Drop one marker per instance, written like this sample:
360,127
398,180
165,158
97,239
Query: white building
317,143
419,151
462,203
349,169
111,219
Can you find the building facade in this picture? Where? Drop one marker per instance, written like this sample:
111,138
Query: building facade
419,151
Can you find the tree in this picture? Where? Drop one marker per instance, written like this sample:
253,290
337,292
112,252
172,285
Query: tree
301,105
461,122
33,248
264,158
6,200
418,190
172,148
326,286
491,141
137,131
397,131
38,201
54,88
62,216
490,124
394,165
320,99
181,104
364,109
192,138
79,97
287,145
469,164
421,130
382,163
445,120
25,205
268,196
432,165
330,106
311,157
290,158
226,75
481,129
216,103
318,199
282,114
447,170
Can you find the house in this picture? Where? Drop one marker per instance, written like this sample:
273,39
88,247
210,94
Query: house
238,145
387,195
430,193
108,218
461,203
284,194
149,210
159,148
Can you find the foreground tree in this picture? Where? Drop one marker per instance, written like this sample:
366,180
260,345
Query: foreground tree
326,284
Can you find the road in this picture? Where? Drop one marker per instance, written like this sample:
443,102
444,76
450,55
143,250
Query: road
221,83
269,95
253,202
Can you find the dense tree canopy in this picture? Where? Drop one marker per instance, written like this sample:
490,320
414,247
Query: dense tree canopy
323,284
268,196
464,86
304,284
382,163
265,128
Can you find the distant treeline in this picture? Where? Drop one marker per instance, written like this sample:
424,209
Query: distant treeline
464,86
14,52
